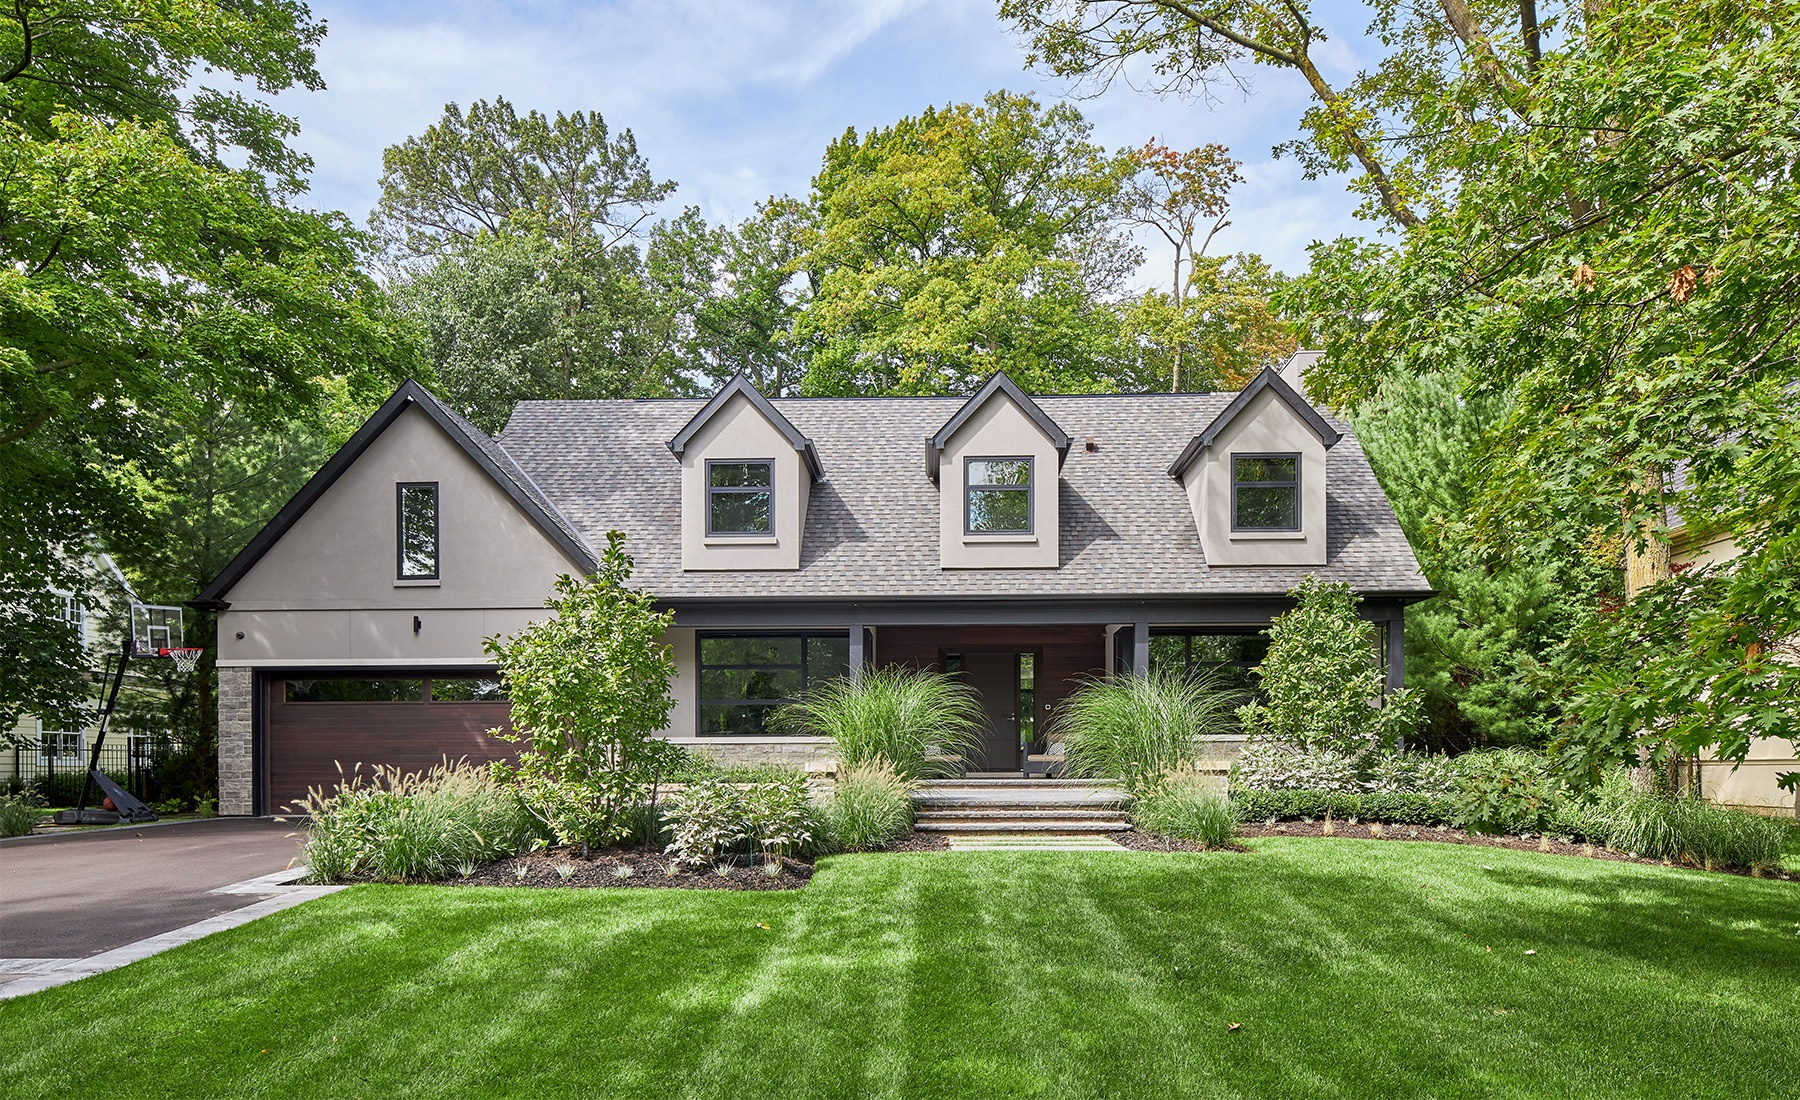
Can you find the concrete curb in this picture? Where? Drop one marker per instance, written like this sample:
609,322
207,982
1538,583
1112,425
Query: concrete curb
276,894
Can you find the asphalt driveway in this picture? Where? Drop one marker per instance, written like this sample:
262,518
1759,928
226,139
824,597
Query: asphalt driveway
72,896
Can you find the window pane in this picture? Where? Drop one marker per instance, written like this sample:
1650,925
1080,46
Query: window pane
418,531
1266,469
739,474
743,719
1268,507
1168,652
466,689
721,684
750,651
827,655
1244,648
355,691
740,513
999,509
990,471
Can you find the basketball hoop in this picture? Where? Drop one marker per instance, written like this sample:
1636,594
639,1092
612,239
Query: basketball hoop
186,658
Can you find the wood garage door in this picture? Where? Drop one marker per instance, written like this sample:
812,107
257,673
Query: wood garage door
411,720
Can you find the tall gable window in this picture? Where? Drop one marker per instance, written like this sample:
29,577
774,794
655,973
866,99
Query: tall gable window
417,536
998,496
740,498
1265,492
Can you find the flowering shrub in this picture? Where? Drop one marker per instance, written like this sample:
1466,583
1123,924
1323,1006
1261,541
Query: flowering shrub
1275,766
777,816
708,818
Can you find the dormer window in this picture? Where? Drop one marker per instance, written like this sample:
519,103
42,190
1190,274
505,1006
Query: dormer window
997,496
417,534
740,497
1265,492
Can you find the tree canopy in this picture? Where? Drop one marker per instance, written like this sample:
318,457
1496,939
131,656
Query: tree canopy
155,268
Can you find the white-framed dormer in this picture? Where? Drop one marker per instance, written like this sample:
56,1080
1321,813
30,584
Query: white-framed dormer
1255,478
998,466
746,480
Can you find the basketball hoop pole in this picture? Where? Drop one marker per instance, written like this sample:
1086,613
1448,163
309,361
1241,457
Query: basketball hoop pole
112,700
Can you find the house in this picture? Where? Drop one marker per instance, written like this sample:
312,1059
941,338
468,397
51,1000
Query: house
1023,542
1752,784
39,750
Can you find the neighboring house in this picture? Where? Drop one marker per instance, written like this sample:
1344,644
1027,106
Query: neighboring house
37,747
1752,784
1022,542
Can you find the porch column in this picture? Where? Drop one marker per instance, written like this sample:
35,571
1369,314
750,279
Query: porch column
1140,647
856,651
1396,651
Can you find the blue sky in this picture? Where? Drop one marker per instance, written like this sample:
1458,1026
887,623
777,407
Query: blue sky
736,100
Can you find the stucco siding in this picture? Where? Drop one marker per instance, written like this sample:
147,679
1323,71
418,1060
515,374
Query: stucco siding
1000,429
1266,426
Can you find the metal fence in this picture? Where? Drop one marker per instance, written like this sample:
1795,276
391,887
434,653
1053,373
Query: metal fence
55,764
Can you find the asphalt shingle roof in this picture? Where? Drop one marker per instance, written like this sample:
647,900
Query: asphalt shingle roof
872,524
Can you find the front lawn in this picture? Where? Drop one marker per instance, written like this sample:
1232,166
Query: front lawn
1356,969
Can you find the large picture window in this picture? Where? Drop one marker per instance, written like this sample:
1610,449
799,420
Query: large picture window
418,530
1232,657
745,677
1265,492
997,496
740,498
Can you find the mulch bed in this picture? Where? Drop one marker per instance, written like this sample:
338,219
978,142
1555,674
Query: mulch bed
1551,845
1150,842
920,842
649,870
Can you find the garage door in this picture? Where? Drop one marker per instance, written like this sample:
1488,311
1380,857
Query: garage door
411,720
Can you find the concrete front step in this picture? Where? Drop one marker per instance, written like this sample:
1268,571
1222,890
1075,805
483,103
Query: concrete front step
1035,842
972,813
1004,825
1018,783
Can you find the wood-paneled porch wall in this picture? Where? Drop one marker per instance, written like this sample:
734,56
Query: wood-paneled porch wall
1070,652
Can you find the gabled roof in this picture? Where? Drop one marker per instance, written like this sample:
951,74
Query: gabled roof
741,385
486,453
1267,380
998,384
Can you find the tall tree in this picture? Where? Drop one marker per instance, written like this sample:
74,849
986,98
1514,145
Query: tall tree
963,240
517,240
152,259
1216,335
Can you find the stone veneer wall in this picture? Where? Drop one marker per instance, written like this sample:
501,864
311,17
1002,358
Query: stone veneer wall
236,700
757,751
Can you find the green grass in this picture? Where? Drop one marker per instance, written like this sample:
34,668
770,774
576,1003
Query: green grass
1357,969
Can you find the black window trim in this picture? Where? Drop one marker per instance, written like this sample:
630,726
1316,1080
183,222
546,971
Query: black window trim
1030,487
713,533
437,531
701,666
1294,485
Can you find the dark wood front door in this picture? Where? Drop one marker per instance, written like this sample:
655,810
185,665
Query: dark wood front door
994,674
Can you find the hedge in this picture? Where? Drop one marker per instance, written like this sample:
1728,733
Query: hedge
1392,808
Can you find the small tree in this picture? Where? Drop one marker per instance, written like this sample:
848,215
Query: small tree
590,690
1323,680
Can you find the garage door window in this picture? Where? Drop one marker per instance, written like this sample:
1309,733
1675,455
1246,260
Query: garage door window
467,689
355,690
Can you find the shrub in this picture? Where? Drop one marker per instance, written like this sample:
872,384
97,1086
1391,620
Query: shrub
1323,678
921,722
19,813
1183,805
707,819
1393,807
1138,727
1275,766
590,691
870,808
402,826
1505,791
777,816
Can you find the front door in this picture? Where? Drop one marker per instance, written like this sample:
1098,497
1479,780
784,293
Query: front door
1005,680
